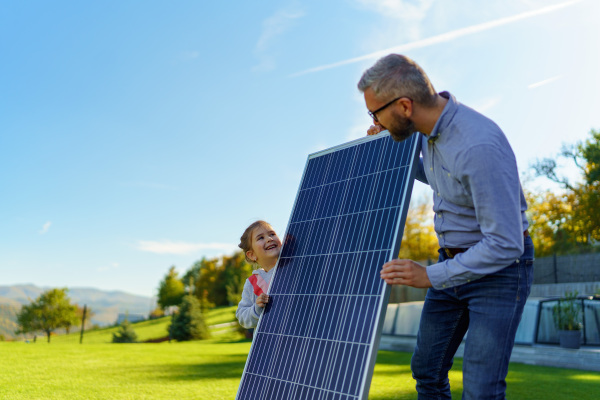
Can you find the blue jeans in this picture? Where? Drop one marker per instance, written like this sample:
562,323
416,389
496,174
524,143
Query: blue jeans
490,308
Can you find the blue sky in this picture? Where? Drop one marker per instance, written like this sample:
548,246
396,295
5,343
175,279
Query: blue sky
136,135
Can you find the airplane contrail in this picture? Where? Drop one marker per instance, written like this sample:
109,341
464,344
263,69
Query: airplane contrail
444,37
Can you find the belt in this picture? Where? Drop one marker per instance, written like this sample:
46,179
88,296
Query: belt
451,252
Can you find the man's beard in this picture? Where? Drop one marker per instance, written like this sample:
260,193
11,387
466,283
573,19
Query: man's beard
401,128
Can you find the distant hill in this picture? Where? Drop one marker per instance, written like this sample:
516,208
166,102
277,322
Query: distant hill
105,305
8,320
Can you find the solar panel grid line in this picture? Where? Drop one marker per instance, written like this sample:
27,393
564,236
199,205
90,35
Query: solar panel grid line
331,244
364,300
281,381
322,279
305,345
397,237
339,327
371,198
353,275
273,363
377,232
288,314
335,192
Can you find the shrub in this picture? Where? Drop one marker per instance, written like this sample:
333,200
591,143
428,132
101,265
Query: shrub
126,334
188,323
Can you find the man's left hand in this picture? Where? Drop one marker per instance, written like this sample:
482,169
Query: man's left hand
405,272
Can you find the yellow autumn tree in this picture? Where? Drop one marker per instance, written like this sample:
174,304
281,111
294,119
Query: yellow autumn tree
549,216
419,241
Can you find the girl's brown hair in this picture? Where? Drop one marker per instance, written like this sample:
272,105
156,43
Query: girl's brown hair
246,238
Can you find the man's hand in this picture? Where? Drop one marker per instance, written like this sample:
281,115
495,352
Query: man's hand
405,272
262,300
374,129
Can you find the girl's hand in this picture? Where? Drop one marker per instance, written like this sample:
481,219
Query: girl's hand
262,300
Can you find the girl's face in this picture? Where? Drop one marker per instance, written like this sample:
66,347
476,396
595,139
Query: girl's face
265,247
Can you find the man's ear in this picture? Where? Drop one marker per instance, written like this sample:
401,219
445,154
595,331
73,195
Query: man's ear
406,105
250,255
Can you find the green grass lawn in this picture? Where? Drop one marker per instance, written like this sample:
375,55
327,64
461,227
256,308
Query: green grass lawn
212,369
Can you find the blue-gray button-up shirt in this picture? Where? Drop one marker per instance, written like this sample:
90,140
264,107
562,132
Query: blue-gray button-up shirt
477,196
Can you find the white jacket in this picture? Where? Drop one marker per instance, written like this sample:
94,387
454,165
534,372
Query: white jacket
248,312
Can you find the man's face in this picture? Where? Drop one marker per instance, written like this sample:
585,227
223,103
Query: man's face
392,117
400,127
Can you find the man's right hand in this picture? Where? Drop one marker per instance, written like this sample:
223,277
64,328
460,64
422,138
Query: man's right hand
374,130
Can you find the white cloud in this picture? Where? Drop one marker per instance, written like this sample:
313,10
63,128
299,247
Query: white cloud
181,248
544,82
45,228
442,38
272,28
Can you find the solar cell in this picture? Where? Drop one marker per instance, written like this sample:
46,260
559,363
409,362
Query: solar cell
318,336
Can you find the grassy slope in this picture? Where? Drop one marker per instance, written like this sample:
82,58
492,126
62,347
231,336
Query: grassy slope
145,330
212,369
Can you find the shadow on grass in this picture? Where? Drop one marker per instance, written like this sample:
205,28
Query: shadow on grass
528,382
227,367
393,380
393,358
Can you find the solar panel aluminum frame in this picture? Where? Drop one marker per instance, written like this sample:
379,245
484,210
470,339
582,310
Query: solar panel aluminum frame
413,145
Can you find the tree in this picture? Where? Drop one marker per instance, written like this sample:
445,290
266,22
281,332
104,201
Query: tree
171,290
125,334
235,272
157,313
50,311
188,323
549,215
582,226
89,313
419,241
210,289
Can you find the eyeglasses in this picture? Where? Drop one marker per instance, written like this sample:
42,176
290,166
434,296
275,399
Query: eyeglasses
373,114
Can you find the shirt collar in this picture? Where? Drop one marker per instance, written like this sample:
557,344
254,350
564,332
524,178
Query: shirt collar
445,117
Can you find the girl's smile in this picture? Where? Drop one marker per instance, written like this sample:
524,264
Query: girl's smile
265,247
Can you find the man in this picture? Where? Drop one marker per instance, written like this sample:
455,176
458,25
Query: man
485,268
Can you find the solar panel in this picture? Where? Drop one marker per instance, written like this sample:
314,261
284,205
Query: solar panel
317,338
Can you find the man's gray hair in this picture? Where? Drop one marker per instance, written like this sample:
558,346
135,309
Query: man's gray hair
396,75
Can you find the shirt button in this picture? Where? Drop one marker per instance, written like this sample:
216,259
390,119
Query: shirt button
443,286
448,173
431,168
441,235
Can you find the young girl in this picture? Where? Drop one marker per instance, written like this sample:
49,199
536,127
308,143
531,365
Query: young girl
261,246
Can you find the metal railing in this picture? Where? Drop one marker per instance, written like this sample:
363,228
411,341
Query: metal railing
546,331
